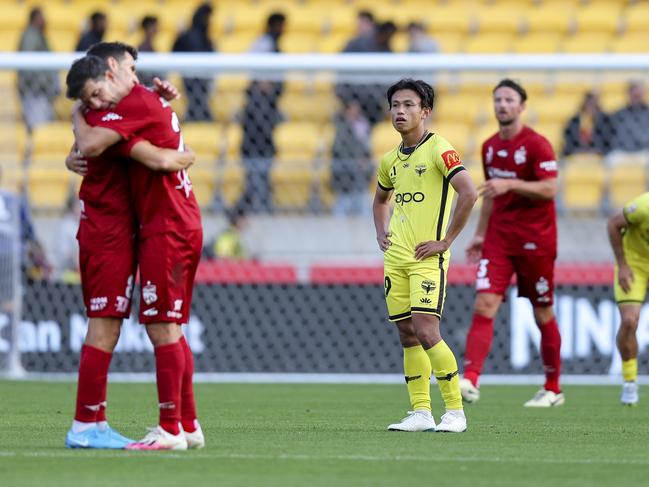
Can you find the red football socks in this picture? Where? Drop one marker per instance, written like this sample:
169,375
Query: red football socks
188,409
91,386
551,354
170,367
478,344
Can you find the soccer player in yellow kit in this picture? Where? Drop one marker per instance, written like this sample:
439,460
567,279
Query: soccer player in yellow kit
628,232
423,172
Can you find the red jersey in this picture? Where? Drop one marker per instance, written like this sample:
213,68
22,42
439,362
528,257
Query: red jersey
520,225
164,201
107,219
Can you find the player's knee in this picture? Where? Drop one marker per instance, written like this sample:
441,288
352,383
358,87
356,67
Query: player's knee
543,315
163,333
487,305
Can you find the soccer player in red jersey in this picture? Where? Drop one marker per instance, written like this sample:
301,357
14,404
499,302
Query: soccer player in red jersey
169,235
107,263
516,234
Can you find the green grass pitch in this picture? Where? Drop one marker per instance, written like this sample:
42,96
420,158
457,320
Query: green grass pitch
330,435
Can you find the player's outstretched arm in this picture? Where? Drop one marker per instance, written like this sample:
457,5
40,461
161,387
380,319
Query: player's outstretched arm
616,225
466,198
381,212
159,159
91,141
474,250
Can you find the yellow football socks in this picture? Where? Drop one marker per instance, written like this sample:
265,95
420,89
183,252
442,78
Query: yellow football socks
417,369
630,369
445,371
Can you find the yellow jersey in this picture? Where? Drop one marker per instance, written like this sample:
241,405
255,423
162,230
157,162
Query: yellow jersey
635,240
423,197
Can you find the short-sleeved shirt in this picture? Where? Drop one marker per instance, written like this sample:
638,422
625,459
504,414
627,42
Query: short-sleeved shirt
164,201
423,196
107,221
519,225
636,237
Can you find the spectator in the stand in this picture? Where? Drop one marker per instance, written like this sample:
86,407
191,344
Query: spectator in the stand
351,169
630,125
37,89
419,40
149,27
369,95
95,33
230,243
197,39
589,130
260,116
364,39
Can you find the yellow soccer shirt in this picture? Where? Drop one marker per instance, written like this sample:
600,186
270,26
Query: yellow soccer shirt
636,238
423,197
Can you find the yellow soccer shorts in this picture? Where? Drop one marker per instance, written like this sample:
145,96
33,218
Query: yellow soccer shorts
416,289
638,290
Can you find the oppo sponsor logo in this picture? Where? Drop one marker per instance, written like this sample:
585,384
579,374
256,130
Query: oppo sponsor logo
404,198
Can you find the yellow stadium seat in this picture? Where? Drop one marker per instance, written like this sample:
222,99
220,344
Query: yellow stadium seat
227,106
244,18
52,141
293,184
333,42
575,84
203,138
13,139
451,18
492,42
297,140
9,39
49,188
383,138
299,42
15,16
203,177
588,42
627,180
230,181
311,19
308,107
556,108
599,17
613,101
636,18
464,108
549,17
634,42
497,18
449,42
232,142
236,42
582,179
400,42
63,40
537,43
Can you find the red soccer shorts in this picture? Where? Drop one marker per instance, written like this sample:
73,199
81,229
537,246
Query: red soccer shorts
534,275
168,263
107,282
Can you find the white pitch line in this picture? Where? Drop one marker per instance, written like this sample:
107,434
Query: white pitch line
295,457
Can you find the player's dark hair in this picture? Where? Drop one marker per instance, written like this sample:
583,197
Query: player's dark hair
423,89
82,70
148,21
510,83
115,50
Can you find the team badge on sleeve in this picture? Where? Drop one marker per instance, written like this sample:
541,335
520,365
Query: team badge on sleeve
451,159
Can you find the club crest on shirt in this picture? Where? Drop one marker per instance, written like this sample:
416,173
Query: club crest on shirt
420,169
502,153
149,293
520,156
428,286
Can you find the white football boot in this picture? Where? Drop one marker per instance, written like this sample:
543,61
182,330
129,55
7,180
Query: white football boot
420,420
454,421
195,439
629,395
545,399
158,439
470,393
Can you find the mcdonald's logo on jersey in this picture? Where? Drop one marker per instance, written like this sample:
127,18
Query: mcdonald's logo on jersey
451,159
